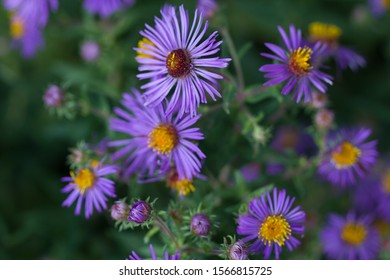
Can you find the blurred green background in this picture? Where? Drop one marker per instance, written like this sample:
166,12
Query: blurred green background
34,144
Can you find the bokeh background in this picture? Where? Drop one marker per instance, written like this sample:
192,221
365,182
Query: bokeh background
34,144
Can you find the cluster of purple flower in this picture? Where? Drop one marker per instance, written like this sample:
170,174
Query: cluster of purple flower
176,64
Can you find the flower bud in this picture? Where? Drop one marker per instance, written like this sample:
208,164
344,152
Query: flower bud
119,210
238,251
200,224
324,118
90,51
53,96
140,212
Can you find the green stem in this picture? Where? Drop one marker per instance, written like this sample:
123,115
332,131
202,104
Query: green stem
236,62
167,231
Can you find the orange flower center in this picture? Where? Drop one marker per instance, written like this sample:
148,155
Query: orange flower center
178,63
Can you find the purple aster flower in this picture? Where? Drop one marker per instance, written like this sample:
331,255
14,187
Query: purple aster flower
329,34
26,37
176,62
238,251
140,212
372,196
90,51
32,12
119,210
250,171
158,138
105,8
134,256
53,96
297,65
275,168
200,224
207,8
182,186
350,237
88,184
271,223
292,138
379,7
348,156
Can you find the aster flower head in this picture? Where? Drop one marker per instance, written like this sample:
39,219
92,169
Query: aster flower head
140,212
207,7
200,224
88,185
297,65
53,96
105,8
251,171
348,156
157,139
90,51
271,223
379,7
182,186
293,138
32,12
350,237
176,61
134,256
26,37
329,35
372,195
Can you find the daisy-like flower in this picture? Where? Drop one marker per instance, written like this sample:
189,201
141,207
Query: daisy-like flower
183,186
207,7
134,256
348,156
32,12
272,224
176,61
158,138
379,7
105,8
297,65
89,185
350,237
294,138
27,38
372,195
329,34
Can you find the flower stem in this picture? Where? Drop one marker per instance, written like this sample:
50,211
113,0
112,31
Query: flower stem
167,231
236,61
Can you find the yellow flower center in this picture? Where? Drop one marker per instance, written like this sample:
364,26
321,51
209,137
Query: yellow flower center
16,27
183,187
323,32
144,44
178,63
299,62
354,234
386,182
163,138
274,229
84,179
345,155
